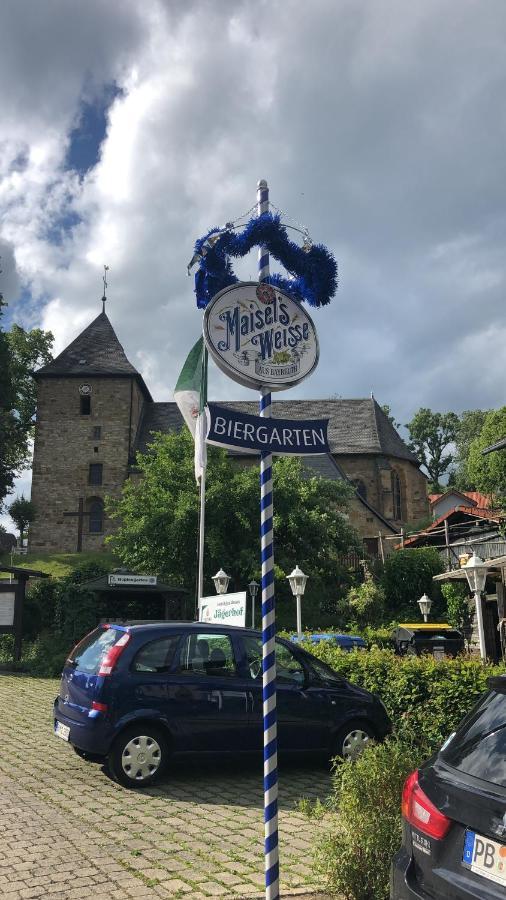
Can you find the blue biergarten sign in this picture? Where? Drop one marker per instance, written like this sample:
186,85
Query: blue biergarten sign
241,431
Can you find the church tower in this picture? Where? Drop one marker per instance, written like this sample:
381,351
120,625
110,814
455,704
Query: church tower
90,401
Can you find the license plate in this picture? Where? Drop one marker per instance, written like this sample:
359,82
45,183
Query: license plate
485,857
62,731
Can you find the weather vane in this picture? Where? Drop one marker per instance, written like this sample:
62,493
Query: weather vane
104,279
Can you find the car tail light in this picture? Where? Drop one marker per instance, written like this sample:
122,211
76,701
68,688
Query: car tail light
113,654
420,812
100,707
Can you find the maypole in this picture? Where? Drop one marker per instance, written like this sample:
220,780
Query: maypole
268,622
261,336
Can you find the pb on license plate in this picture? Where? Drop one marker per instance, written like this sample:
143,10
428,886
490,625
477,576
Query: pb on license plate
485,857
62,731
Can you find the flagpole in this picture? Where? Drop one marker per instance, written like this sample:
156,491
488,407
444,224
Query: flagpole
202,516
268,622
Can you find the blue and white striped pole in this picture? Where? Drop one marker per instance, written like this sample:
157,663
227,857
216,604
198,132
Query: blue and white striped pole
268,624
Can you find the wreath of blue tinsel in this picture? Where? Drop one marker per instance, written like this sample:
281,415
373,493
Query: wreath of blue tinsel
314,270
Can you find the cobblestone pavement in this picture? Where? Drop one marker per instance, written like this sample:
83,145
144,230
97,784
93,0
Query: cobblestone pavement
68,831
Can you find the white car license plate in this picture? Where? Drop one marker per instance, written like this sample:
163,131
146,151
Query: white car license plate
62,731
485,857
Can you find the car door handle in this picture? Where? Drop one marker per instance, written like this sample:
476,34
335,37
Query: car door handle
216,697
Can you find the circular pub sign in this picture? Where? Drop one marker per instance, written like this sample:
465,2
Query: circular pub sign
260,337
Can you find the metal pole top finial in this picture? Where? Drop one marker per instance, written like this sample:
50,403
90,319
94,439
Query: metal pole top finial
262,185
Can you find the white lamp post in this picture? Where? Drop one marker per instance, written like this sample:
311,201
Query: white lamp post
253,588
425,604
221,580
297,581
476,574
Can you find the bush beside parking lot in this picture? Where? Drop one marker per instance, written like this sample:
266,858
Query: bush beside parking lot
426,700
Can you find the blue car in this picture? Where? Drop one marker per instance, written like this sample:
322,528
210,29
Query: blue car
136,695
344,641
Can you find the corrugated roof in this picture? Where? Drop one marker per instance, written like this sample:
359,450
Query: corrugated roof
495,516
355,426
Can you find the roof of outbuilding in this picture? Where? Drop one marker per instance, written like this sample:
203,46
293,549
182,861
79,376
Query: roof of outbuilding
96,351
355,426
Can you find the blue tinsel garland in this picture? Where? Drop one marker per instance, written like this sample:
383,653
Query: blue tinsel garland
314,270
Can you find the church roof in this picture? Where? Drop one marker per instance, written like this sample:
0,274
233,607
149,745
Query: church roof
355,426
96,351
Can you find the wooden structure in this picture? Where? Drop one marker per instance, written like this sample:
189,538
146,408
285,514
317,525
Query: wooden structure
122,592
493,604
12,598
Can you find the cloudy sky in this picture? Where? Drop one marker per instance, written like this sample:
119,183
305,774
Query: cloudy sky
128,129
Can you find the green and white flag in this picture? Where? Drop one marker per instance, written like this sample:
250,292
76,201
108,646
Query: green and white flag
190,395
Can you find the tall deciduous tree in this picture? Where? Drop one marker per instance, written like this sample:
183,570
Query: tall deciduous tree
22,512
20,352
9,433
471,422
158,520
488,472
431,433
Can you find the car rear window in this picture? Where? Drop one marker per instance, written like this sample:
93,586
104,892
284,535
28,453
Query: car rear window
479,746
88,655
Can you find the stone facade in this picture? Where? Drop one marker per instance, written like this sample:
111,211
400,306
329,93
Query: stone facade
82,456
375,473
66,446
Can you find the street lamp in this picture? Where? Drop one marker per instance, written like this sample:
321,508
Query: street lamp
221,580
476,574
425,604
253,589
297,581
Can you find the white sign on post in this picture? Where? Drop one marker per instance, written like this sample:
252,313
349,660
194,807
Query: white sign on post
7,600
260,337
224,609
133,580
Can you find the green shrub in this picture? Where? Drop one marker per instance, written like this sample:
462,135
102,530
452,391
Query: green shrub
458,611
364,603
426,700
406,576
424,696
355,850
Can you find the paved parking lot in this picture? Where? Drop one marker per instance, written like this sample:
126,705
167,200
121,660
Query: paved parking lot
68,831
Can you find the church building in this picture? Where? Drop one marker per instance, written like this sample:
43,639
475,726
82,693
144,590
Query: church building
94,412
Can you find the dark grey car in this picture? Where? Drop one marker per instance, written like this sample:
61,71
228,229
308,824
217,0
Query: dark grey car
454,813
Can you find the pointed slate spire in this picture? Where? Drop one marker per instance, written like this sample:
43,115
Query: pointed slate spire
96,351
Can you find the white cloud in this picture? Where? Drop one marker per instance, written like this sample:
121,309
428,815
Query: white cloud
379,125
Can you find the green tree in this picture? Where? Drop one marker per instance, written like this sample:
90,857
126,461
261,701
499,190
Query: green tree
158,520
488,472
28,351
20,352
388,412
459,614
22,513
471,422
406,576
431,433
364,604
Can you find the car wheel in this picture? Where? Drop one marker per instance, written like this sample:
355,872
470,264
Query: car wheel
352,739
139,756
89,757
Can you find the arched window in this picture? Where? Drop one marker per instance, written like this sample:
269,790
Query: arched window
96,515
360,487
396,496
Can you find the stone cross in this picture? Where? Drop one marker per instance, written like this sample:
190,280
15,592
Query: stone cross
80,518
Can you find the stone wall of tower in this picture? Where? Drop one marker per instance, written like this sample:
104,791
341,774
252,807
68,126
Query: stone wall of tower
375,472
66,445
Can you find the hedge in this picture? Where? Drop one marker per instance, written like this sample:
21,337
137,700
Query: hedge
426,700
